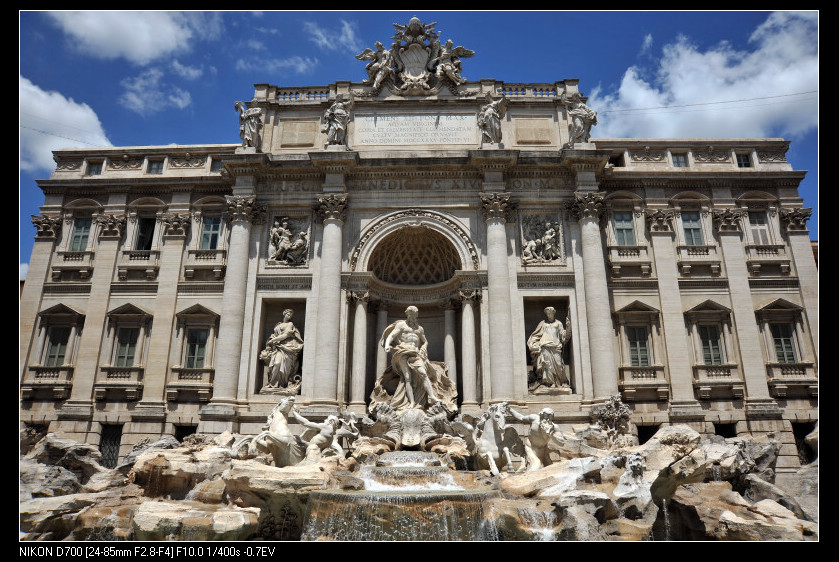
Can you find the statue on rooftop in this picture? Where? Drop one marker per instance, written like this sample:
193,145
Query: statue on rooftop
250,123
582,118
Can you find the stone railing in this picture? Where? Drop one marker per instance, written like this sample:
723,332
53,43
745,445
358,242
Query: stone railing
57,381
146,261
206,260
190,382
308,94
631,256
527,90
126,381
758,255
787,379
643,383
702,255
718,381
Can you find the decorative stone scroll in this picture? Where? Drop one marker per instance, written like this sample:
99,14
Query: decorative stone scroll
796,219
647,155
779,155
586,206
176,224
660,220
728,220
331,207
46,227
111,226
188,161
243,209
497,206
711,154
68,165
126,163
542,240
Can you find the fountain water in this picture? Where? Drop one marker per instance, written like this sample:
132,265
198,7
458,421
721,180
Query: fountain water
408,496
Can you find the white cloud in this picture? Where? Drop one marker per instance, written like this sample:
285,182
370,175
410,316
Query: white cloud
647,43
49,121
139,37
346,38
294,65
147,93
783,60
188,72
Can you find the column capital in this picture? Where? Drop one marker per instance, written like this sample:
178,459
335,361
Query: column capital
332,206
660,221
795,220
728,221
358,296
47,227
587,205
112,225
243,209
469,295
176,224
497,206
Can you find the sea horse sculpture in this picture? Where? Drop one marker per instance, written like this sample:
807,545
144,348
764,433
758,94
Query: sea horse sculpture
490,440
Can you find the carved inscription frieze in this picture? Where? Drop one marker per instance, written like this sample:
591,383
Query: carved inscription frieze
416,128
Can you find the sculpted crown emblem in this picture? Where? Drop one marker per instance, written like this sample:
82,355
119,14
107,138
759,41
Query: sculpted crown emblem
417,63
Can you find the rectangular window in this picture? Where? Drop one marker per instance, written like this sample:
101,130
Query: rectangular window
155,166
624,233
126,347
216,165
145,233
744,161
759,227
81,233
210,229
196,348
782,336
639,350
109,443
692,228
94,168
56,346
680,160
711,345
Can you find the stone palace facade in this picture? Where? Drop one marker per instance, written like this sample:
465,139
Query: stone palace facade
680,270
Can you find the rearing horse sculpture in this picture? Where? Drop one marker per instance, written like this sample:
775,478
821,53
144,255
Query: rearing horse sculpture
490,440
277,439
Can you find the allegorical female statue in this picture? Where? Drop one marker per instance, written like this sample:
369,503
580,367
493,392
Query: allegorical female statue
282,354
546,344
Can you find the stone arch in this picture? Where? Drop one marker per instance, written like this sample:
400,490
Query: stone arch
436,225
689,197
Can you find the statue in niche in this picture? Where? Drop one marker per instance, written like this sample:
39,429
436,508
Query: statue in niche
335,121
282,355
412,381
298,250
543,433
380,67
448,62
280,239
546,345
582,118
550,246
250,123
489,118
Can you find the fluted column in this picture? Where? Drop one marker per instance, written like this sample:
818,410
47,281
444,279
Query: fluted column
587,209
242,212
359,348
468,348
449,347
332,211
496,208
381,324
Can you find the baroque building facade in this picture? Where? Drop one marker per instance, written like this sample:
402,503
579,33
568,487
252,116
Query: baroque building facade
174,289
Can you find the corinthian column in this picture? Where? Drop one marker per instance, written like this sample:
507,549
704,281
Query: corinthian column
496,209
587,209
359,350
242,212
332,211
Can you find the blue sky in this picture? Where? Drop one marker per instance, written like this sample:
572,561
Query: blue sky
121,78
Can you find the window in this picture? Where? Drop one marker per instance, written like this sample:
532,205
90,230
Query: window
210,229
616,160
56,349
109,443
94,168
155,167
196,348
759,227
624,234
692,228
782,335
145,233
639,350
126,347
80,235
709,336
217,165
744,161
680,160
